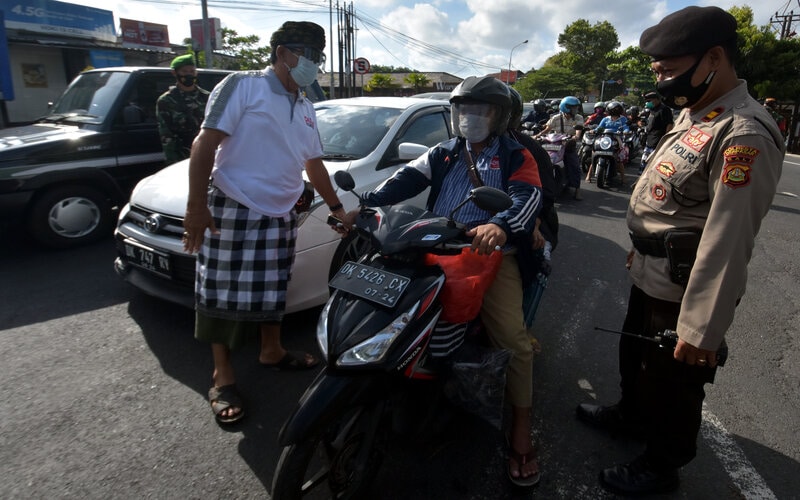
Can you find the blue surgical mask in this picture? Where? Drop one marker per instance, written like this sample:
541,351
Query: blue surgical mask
304,73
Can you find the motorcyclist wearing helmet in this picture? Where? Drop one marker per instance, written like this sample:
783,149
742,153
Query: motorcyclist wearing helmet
569,121
599,113
480,109
539,113
615,122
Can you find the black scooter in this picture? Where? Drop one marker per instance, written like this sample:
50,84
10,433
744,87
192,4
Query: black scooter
376,334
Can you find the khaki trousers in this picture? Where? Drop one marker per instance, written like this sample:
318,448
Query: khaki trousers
502,316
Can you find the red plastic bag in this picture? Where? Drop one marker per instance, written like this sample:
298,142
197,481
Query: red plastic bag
468,276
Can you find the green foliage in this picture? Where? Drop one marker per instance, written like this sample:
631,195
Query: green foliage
417,80
632,66
377,68
379,81
243,52
588,48
550,81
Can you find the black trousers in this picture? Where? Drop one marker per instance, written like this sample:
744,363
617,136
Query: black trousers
663,394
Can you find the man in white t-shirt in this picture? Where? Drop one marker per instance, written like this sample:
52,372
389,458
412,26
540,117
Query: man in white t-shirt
565,122
258,135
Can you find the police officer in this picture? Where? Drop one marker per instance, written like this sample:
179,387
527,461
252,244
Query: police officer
693,217
181,110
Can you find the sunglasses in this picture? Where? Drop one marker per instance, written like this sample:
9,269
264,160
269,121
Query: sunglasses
310,53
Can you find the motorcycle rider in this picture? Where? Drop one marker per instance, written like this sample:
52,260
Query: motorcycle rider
482,154
599,113
615,122
659,123
539,113
565,122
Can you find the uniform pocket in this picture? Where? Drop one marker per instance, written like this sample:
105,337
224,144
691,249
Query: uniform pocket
674,179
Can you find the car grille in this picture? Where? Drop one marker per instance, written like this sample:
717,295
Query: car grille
168,226
183,265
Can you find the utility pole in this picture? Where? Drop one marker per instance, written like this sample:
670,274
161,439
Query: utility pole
784,22
207,37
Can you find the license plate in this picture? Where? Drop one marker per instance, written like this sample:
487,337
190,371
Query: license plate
603,153
155,261
369,283
551,147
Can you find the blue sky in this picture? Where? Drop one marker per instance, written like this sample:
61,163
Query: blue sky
462,37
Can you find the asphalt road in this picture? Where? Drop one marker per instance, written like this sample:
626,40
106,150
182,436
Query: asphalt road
104,388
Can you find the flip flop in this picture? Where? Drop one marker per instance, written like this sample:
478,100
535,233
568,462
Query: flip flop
294,361
222,398
524,482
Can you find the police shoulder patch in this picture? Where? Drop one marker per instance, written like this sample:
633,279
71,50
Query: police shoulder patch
738,165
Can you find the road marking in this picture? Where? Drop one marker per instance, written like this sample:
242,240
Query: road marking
741,471
791,162
786,193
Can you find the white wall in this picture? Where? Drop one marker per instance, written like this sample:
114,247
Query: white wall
31,97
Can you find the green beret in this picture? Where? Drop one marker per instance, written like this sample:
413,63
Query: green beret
299,33
181,61
692,30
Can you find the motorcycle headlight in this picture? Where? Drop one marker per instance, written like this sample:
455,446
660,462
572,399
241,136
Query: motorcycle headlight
605,142
375,348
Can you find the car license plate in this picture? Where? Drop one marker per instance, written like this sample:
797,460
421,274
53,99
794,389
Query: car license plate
148,258
369,283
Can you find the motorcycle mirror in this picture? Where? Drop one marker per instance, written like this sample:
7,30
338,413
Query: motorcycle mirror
344,180
491,199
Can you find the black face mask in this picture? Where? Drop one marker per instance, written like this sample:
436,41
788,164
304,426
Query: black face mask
187,80
679,93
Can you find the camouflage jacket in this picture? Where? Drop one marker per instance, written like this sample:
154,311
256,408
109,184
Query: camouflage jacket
180,115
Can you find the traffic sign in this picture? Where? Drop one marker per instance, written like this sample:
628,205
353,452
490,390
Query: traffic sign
360,65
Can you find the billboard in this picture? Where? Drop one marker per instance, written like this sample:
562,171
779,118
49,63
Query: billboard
143,35
59,18
214,28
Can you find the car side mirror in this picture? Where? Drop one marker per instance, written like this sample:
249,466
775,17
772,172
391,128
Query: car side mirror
411,151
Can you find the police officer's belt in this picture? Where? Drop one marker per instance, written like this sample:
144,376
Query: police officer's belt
649,246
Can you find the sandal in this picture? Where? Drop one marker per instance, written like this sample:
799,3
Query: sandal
293,361
522,481
222,398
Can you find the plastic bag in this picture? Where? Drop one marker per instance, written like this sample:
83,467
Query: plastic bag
478,382
468,276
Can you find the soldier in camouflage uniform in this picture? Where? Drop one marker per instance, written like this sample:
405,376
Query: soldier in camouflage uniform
181,110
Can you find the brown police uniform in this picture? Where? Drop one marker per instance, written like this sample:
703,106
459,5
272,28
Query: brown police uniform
714,173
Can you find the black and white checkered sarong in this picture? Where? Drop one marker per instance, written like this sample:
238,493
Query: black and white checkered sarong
242,272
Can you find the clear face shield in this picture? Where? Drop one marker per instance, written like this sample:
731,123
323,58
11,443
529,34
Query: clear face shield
474,121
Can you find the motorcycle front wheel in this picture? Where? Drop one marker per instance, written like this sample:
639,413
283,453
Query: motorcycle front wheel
602,170
339,461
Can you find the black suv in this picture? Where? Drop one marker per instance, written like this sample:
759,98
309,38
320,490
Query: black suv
65,174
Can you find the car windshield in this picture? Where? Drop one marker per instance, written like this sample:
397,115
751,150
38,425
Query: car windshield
352,132
89,98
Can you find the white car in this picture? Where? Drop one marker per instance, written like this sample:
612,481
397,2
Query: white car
371,137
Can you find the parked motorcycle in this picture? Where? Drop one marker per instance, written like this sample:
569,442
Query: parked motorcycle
604,156
555,144
376,334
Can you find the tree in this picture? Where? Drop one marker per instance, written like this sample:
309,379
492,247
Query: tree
379,81
550,81
243,52
377,68
587,48
632,67
417,80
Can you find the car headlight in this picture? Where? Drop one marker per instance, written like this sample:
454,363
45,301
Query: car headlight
605,142
374,349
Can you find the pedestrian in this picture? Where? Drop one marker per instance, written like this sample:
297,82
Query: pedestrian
180,110
693,218
569,121
258,135
659,122
482,154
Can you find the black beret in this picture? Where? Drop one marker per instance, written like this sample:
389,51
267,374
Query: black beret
652,95
692,30
299,33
